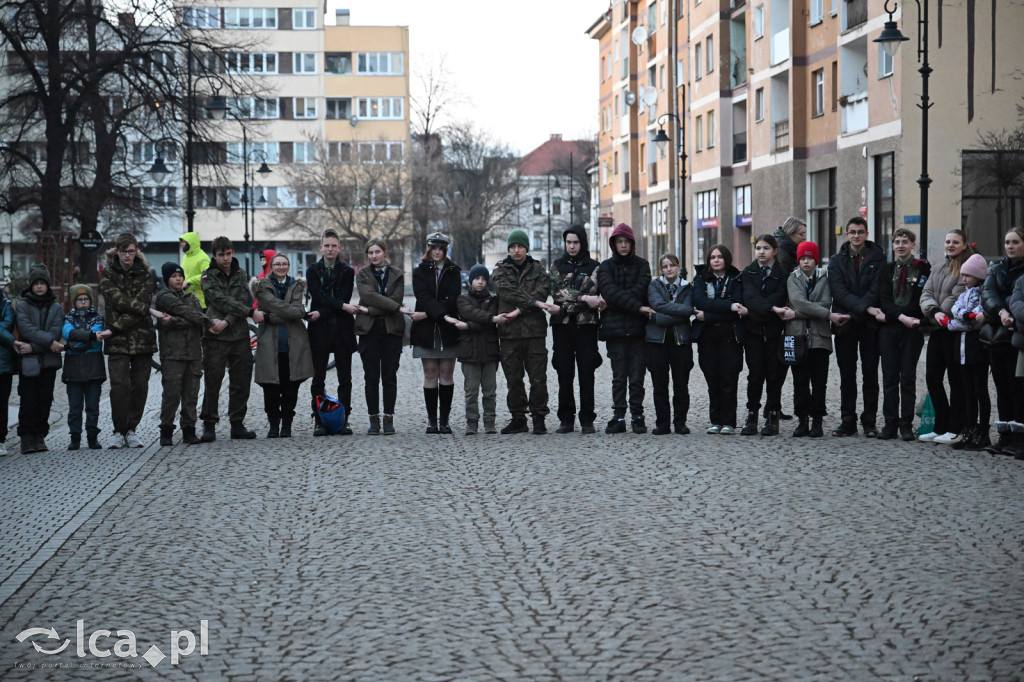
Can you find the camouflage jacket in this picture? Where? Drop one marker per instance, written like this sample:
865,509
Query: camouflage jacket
228,298
128,296
570,279
181,337
521,288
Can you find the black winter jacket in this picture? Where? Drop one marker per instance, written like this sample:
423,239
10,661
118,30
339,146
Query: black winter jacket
853,295
995,294
761,321
917,275
717,310
437,298
335,330
623,283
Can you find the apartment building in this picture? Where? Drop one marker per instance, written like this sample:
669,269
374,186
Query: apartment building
790,108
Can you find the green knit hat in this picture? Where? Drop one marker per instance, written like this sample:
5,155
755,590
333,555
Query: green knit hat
519,237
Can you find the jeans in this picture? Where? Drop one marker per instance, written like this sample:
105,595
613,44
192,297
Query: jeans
84,394
721,360
663,358
628,369
479,375
521,357
381,354
810,378
863,338
575,347
764,368
901,349
941,360
129,388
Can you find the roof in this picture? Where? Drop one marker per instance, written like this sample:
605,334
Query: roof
553,157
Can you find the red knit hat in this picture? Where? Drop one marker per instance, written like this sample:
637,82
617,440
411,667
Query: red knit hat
807,249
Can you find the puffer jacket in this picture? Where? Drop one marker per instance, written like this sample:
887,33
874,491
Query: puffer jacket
182,337
671,314
83,354
40,322
479,343
194,262
228,298
787,250
381,306
127,296
283,325
940,293
572,278
717,309
329,291
519,289
437,297
853,295
623,282
8,357
812,310
998,287
761,320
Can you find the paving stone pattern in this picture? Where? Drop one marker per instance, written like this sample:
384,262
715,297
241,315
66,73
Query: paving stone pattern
522,557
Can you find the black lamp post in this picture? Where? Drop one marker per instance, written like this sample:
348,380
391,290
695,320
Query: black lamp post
662,139
890,39
557,186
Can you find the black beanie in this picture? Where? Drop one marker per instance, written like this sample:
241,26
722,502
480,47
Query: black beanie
38,272
169,269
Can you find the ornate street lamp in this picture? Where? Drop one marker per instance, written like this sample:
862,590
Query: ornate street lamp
662,139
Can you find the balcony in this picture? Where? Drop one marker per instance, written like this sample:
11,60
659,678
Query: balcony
738,71
855,112
739,147
855,13
782,135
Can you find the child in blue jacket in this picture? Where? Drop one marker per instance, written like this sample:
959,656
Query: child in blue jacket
84,371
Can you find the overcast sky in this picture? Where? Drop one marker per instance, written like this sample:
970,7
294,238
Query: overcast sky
526,69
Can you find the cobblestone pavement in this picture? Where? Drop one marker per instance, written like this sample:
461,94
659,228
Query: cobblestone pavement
522,557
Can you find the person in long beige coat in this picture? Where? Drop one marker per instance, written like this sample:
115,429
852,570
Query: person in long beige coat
283,357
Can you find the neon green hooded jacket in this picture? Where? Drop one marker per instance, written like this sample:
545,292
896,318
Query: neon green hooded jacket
194,262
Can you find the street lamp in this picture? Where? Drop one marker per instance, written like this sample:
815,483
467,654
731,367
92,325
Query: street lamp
890,39
662,139
557,186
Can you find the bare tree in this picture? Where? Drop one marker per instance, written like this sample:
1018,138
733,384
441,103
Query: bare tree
995,171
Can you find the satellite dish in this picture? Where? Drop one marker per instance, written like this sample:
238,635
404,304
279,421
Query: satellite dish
639,35
649,96
630,98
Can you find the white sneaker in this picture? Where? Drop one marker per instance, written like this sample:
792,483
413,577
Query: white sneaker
115,442
947,438
131,440
3,450
930,436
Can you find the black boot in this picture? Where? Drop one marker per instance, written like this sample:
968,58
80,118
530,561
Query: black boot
286,426
275,428
750,427
517,425
566,426
76,441
965,438
539,429
388,426
771,424
816,430
1004,439
430,396
444,394
374,429
318,426
847,427
94,440
209,432
188,435
802,428
239,432
165,436
980,439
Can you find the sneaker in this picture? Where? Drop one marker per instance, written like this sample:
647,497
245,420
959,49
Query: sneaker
845,428
714,429
639,425
116,442
682,429
728,431
947,438
3,450
131,440
870,431
617,425
928,437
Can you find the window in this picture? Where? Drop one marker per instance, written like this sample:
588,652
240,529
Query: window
711,129
338,108
744,210
759,104
710,49
381,152
706,213
380,108
817,11
250,17
304,107
835,86
255,107
884,63
338,63
556,205
304,19
158,196
758,22
680,72
661,77
885,190
250,62
700,133
146,152
821,216
339,152
304,62
819,93
258,152
698,72
380,63
303,152
608,68
201,17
